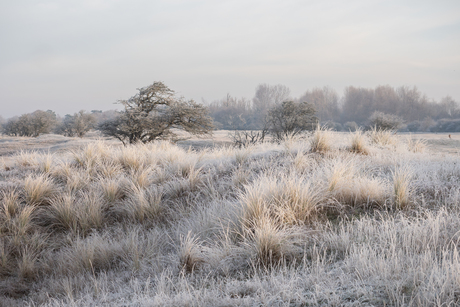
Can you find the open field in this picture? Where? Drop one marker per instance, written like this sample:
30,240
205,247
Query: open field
326,219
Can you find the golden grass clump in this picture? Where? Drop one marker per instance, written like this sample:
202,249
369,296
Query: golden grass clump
383,137
417,145
339,171
350,185
45,163
62,213
15,218
401,187
142,178
358,143
27,263
322,140
190,253
270,242
27,158
39,189
91,156
91,211
109,169
133,157
10,204
22,223
141,205
112,189
77,181
287,199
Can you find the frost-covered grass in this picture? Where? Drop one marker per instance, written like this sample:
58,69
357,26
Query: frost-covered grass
325,219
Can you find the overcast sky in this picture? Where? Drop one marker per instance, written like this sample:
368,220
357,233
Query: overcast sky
68,55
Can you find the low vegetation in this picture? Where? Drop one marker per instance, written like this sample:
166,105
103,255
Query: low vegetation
312,220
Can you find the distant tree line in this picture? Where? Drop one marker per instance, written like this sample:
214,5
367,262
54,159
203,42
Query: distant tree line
44,122
271,110
404,108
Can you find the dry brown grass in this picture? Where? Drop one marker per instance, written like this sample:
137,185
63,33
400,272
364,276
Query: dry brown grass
289,200
161,225
39,189
418,145
402,187
190,253
383,137
142,205
62,213
358,143
270,243
321,141
112,189
91,209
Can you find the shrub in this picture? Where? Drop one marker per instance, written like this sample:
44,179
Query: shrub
31,124
76,125
290,118
383,121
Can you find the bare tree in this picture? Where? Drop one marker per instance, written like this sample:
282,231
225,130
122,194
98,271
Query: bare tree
76,125
152,114
290,118
266,97
31,124
448,108
231,113
325,101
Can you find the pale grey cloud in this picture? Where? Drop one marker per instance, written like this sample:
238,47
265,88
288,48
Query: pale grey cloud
72,55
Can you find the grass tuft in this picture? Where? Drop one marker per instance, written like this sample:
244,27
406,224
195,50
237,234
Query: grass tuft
141,205
383,137
62,213
190,253
270,243
401,186
11,204
27,263
417,145
358,143
91,211
112,189
288,200
321,141
45,163
39,189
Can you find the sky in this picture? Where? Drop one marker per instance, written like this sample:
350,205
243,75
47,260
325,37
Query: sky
72,55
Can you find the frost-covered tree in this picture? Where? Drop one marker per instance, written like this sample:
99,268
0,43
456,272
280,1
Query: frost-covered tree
152,114
290,118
